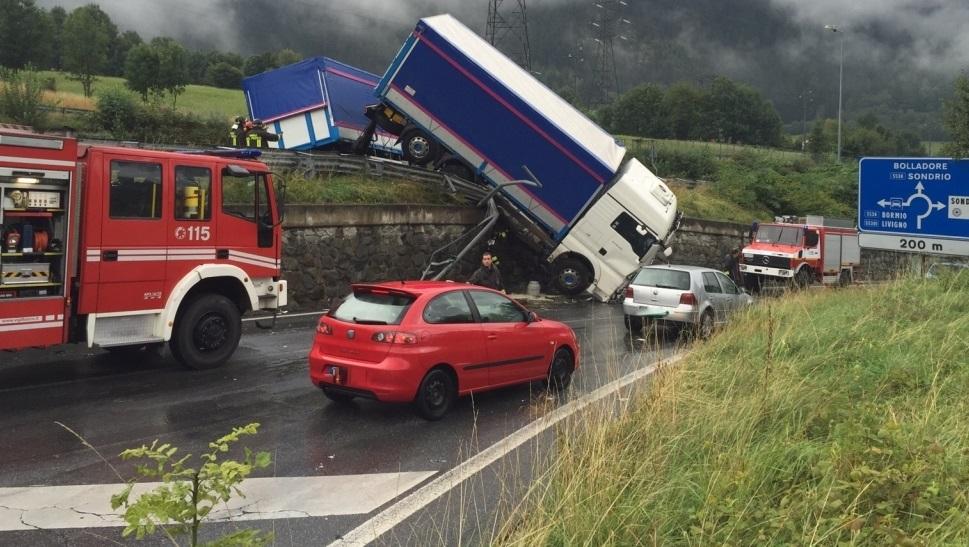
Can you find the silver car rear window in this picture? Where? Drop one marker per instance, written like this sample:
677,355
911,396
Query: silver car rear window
663,279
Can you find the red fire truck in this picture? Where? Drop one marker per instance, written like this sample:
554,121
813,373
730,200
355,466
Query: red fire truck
804,250
125,248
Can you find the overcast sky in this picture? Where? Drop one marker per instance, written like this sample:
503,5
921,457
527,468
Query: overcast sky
933,31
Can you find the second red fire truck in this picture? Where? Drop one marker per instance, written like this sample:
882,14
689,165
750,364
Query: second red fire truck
124,248
802,250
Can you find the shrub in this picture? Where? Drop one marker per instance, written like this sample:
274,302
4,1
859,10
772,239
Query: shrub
689,164
117,112
21,97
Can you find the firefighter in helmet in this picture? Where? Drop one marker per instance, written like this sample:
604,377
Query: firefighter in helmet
237,133
259,136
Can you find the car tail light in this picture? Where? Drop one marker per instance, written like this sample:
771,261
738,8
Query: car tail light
688,298
324,328
394,337
629,292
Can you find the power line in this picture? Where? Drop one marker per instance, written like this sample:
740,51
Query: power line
608,25
507,30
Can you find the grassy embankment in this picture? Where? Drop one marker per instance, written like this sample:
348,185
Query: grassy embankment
745,183
197,99
831,417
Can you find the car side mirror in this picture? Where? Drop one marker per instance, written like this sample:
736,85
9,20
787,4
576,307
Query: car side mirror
532,317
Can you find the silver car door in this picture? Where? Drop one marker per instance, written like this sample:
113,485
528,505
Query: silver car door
732,295
712,288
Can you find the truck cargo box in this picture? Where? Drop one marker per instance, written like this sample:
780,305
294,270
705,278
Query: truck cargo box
316,103
501,120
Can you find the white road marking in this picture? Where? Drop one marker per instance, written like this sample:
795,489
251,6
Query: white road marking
88,506
390,517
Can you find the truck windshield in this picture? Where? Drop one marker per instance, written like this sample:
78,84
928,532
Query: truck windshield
632,231
784,235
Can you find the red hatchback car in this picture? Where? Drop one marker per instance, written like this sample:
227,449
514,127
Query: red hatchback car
428,342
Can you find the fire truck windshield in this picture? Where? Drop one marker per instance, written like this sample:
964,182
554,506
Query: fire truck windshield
783,235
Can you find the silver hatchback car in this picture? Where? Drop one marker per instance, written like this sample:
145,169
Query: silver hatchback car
684,296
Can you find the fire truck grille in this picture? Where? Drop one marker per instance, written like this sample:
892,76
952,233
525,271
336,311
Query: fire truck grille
767,261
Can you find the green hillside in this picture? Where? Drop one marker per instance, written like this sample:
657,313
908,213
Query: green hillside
197,99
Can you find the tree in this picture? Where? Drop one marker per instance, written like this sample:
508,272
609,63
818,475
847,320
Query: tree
259,63
638,112
141,70
88,33
118,55
956,118
172,66
57,17
285,57
681,107
24,31
224,75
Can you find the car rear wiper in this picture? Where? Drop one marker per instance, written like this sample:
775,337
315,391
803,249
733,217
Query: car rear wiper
368,321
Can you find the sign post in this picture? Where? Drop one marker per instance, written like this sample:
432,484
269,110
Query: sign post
917,205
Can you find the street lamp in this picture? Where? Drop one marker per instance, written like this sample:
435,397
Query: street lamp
841,68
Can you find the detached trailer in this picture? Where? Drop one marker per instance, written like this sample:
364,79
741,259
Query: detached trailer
317,103
461,106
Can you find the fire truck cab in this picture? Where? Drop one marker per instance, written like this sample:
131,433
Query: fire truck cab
804,250
124,248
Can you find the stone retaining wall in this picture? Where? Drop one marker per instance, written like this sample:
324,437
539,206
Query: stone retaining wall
326,247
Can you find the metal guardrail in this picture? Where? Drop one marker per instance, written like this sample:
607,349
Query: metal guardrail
315,164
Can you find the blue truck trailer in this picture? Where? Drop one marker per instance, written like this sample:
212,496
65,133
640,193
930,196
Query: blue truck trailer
317,104
461,106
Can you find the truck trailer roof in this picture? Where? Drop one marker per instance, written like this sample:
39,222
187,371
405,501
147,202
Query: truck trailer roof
557,110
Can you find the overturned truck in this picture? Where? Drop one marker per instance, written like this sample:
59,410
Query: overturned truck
564,184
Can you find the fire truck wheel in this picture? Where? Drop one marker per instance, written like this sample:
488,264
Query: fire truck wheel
803,278
207,332
571,275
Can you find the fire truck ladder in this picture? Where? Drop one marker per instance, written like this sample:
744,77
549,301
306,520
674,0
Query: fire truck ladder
444,259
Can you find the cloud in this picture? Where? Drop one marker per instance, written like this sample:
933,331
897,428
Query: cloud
925,34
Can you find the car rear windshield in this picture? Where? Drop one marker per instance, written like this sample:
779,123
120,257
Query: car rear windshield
663,279
373,307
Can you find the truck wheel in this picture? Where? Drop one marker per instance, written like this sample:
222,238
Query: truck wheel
803,278
207,333
418,147
571,276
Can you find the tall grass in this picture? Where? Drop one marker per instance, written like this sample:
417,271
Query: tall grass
823,418
197,99
361,189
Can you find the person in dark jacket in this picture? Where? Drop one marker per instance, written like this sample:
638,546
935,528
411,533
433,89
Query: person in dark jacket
731,266
487,275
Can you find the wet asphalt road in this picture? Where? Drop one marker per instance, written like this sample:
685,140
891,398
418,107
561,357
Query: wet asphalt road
116,404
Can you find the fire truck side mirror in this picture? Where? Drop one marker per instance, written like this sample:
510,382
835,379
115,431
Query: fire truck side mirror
238,170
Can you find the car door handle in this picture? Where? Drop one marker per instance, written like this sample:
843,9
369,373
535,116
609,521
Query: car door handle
492,336
109,256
